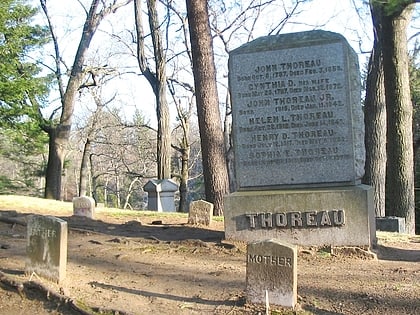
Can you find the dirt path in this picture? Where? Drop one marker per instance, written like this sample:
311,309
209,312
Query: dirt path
143,267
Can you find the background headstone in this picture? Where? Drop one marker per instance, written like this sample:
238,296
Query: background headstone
391,224
47,247
161,195
84,207
271,266
201,212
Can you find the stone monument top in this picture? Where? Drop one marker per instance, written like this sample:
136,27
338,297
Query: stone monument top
297,116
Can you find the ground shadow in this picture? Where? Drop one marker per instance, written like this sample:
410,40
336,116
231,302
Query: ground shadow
397,254
357,302
12,271
319,311
167,296
159,231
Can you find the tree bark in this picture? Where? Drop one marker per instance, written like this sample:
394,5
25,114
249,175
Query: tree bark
184,149
375,122
162,110
400,164
84,169
230,156
211,134
183,183
157,81
55,165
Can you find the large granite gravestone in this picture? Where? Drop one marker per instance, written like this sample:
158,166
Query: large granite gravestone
296,105
84,207
298,139
47,247
271,273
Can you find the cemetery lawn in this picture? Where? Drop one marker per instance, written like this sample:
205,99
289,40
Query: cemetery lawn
139,262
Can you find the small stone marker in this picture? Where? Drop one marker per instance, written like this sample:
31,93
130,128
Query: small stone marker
47,247
201,212
271,272
84,207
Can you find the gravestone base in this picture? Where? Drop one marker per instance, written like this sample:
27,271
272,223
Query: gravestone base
336,216
391,224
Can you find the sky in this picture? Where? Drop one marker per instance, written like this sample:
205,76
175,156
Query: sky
133,92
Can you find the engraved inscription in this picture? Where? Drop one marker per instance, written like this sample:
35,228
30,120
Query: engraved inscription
297,219
270,260
43,233
292,112
82,203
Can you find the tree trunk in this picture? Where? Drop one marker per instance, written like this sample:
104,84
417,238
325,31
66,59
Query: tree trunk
118,191
158,83
183,183
184,149
54,170
129,193
162,110
59,135
84,169
211,134
106,193
400,168
375,122
230,156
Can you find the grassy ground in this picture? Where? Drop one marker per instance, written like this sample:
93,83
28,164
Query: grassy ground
33,204
28,204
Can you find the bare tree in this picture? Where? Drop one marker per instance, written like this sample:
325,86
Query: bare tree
157,80
183,147
91,130
121,158
391,20
59,129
